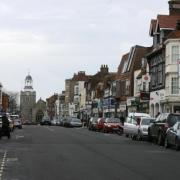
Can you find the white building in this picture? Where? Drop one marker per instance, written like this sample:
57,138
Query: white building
172,73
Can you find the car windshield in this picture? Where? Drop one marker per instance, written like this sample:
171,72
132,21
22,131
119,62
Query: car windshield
146,121
113,120
75,120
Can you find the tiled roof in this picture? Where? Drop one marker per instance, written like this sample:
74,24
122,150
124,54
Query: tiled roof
167,21
174,35
121,65
81,76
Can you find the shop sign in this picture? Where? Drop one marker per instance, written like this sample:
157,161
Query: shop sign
145,96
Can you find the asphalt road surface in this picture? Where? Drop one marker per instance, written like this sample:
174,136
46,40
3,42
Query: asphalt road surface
57,153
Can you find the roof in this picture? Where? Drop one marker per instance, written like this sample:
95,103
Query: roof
134,62
152,26
163,22
166,21
28,77
81,76
121,65
174,35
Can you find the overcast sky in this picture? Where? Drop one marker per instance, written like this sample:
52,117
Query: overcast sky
53,39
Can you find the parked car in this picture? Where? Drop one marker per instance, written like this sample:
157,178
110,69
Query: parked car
112,125
157,130
17,123
72,122
93,123
140,129
11,125
45,121
100,124
173,136
132,121
54,122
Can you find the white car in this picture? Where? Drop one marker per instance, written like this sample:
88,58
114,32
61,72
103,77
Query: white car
141,130
131,124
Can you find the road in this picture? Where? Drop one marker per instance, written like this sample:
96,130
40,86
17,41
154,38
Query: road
57,153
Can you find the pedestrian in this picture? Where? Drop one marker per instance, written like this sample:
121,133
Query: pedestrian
122,119
5,122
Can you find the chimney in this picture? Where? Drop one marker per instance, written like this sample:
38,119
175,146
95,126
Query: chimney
104,69
174,7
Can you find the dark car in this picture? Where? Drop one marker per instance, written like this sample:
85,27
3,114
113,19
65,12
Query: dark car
45,121
173,136
157,130
93,123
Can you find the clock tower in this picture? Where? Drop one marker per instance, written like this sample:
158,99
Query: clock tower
27,100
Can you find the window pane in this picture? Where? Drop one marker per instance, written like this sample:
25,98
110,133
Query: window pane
175,86
175,54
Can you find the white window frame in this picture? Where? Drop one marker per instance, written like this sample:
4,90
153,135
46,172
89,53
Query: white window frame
174,87
175,54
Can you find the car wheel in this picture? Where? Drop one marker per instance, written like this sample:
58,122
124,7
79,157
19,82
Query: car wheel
177,145
139,138
149,136
120,132
166,144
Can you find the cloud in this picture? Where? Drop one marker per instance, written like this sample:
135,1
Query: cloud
56,38
5,9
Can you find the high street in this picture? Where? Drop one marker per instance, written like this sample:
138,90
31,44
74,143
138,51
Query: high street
57,153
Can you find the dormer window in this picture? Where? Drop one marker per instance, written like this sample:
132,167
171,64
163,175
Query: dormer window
124,67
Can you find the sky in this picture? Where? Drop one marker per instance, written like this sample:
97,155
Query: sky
53,39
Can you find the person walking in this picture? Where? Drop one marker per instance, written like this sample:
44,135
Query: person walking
122,119
5,126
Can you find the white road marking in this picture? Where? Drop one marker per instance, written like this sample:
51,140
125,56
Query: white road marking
3,164
18,136
12,159
49,128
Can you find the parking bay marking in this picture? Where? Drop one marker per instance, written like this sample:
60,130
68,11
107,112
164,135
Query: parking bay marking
19,136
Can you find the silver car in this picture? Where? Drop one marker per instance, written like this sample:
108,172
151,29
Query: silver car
173,136
142,130
131,124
